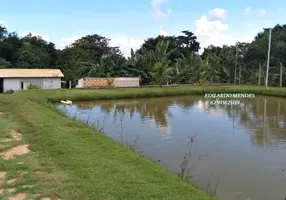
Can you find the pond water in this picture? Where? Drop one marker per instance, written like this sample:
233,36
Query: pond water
242,148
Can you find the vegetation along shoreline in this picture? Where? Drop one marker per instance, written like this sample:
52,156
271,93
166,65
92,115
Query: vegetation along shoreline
84,163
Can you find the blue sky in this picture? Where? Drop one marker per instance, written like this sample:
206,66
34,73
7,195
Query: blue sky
128,22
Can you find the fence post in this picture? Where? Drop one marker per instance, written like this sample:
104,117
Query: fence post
239,74
281,72
259,74
69,84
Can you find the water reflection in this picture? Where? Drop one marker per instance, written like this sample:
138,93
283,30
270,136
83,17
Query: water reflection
151,110
266,118
245,143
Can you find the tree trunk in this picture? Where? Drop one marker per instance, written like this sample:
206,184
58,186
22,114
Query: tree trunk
234,80
259,74
281,72
239,78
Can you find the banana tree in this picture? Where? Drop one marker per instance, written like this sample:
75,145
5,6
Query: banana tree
161,73
91,69
161,53
190,68
210,68
160,58
137,65
115,66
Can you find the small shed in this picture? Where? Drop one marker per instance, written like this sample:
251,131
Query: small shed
117,82
19,79
127,82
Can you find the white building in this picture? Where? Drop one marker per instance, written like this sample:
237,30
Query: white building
117,82
19,79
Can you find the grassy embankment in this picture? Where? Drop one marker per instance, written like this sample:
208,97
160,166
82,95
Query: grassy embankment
71,161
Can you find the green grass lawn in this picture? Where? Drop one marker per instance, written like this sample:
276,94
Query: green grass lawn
71,161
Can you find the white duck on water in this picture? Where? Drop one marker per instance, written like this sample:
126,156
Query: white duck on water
67,102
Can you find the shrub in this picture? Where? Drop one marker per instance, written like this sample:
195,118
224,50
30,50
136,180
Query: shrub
10,91
32,86
110,82
203,81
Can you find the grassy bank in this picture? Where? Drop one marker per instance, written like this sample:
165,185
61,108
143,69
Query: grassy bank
85,95
76,162
82,163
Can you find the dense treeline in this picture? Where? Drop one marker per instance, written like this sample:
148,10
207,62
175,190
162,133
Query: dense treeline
160,60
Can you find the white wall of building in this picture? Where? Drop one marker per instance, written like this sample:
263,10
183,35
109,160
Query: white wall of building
126,82
43,83
80,83
52,83
118,82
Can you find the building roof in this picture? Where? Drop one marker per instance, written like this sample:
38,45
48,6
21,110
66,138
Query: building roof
30,73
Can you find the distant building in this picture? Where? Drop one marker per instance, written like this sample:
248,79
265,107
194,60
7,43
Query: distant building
117,82
19,79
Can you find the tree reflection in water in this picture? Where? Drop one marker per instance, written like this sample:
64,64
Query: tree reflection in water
264,117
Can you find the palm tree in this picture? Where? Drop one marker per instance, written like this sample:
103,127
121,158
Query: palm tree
161,73
115,66
91,69
189,68
161,53
210,70
161,70
136,65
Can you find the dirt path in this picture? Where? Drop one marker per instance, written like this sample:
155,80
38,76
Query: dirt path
12,150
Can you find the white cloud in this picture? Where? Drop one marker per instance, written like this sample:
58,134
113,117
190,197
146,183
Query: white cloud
158,3
125,44
158,14
45,37
217,14
226,39
281,9
204,27
2,22
162,32
66,41
247,11
261,12
215,33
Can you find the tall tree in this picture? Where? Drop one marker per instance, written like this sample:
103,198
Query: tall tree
257,50
31,56
70,61
97,47
3,32
4,63
161,69
9,45
47,47
181,44
187,43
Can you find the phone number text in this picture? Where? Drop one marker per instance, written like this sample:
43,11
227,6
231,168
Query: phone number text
224,102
